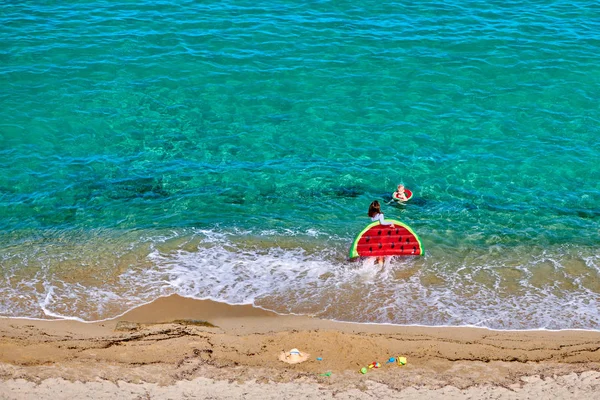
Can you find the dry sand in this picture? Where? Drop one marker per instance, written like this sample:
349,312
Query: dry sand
144,354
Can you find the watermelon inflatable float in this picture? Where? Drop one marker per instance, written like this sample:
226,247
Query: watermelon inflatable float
378,240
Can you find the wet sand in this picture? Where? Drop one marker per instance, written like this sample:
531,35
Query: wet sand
176,348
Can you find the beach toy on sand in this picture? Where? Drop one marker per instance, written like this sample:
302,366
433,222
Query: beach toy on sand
293,356
326,374
374,364
363,370
391,360
401,361
319,358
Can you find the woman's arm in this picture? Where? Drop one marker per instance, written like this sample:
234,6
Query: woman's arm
382,220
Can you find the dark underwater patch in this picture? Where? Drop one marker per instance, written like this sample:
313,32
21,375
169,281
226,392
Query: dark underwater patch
349,192
135,188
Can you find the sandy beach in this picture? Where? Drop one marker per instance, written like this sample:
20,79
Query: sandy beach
178,348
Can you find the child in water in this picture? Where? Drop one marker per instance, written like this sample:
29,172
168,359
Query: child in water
399,194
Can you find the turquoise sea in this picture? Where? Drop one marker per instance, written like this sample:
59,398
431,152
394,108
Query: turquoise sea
229,150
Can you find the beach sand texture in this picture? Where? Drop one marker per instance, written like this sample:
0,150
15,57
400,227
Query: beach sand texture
166,350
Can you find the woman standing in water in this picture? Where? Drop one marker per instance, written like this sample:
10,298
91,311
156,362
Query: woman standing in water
376,215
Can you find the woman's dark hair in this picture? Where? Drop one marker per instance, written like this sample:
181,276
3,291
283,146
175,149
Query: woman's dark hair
374,209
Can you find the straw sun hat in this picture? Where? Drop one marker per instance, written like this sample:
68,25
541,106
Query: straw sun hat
293,356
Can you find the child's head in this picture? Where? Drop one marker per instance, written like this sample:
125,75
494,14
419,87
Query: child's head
401,188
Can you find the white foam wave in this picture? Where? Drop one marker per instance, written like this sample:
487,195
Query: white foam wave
549,290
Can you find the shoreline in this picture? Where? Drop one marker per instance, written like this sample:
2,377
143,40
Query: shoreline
120,316
165,343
